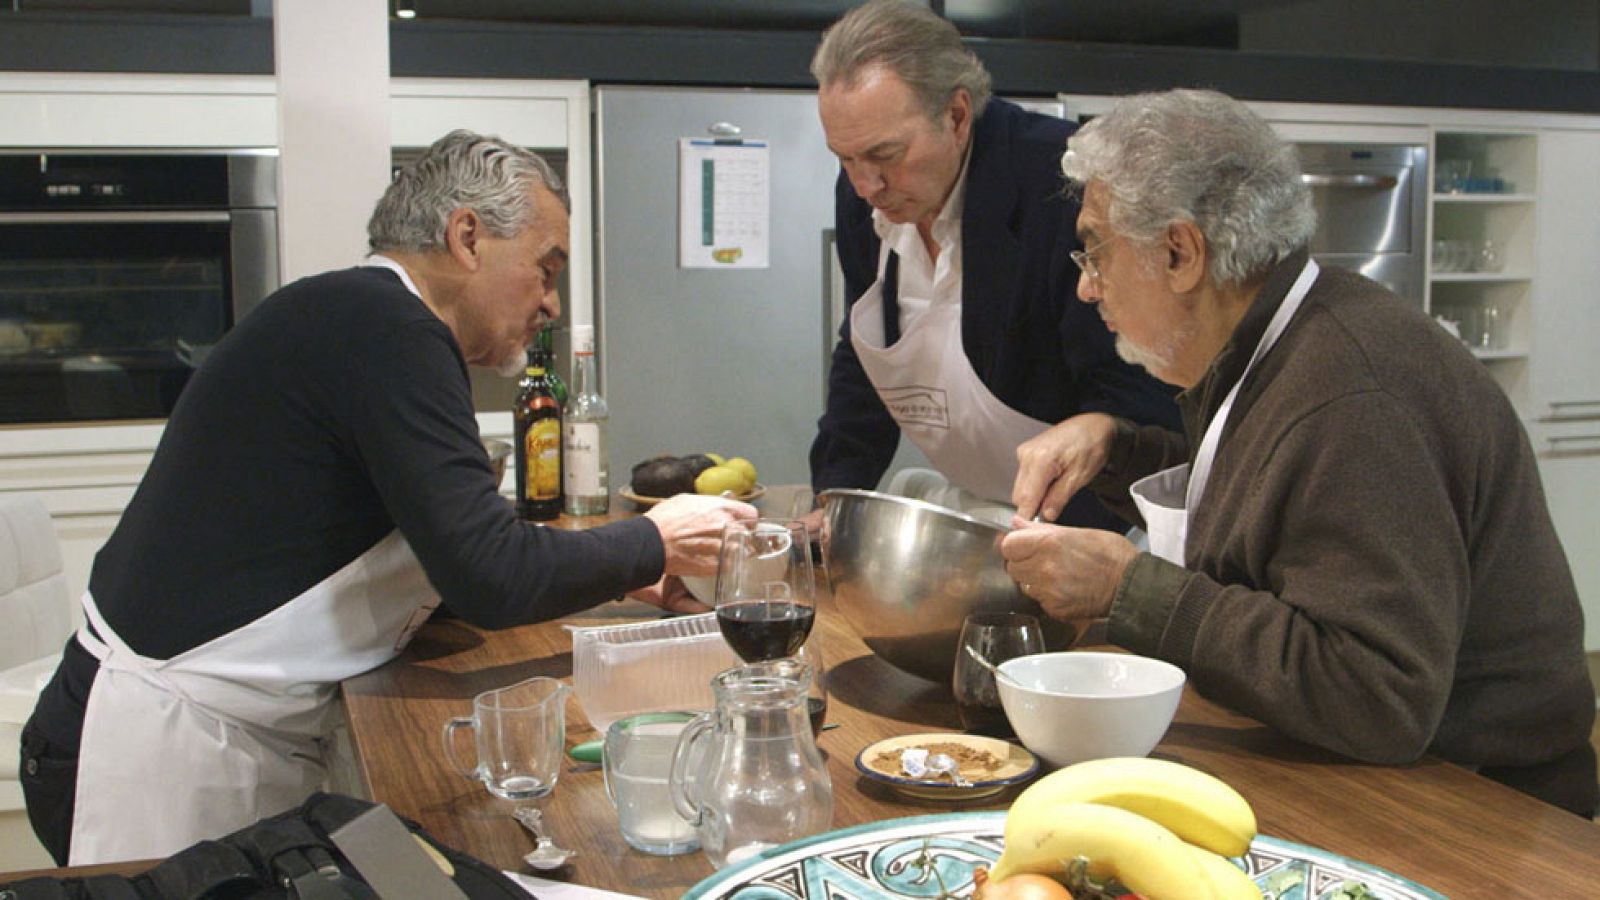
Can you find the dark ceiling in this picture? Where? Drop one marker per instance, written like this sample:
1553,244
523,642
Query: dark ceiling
1211,23
1545,34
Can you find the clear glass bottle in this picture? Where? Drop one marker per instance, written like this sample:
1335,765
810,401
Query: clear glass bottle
586,470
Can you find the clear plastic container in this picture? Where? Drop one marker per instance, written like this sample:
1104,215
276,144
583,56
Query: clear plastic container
659,666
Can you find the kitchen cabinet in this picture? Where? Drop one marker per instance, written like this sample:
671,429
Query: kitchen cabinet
1481,261
1565,380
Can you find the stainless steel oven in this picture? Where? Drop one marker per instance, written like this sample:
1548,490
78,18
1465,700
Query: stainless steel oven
1371,204
119,271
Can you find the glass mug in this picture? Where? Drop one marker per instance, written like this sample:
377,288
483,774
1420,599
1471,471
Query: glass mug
757,779
518,735
996,637
636,763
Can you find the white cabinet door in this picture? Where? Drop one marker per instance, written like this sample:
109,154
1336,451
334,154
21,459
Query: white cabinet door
1566,354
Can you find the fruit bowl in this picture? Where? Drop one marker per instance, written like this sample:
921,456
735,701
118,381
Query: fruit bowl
645,502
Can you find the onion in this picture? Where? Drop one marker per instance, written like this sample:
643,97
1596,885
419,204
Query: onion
1019,887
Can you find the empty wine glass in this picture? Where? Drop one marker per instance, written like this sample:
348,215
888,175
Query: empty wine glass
766,588
995,637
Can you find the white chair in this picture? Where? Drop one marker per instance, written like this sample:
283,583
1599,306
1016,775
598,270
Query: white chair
35,620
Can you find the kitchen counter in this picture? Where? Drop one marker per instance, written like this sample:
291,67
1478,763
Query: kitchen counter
1435,823
1432,822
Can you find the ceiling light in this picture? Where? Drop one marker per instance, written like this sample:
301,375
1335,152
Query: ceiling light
405,9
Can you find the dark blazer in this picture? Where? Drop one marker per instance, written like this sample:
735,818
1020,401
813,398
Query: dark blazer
1034,345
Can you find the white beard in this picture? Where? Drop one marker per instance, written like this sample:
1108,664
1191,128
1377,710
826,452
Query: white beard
513,365
1157,360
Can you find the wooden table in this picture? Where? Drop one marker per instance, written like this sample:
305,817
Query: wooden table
1432,822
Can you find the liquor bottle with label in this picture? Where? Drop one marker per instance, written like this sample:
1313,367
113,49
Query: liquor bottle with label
586,469
538,447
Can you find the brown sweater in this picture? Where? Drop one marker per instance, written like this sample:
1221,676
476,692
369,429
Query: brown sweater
1372,568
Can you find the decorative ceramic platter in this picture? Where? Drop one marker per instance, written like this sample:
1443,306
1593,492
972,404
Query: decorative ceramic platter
645,501
934,856
1011,765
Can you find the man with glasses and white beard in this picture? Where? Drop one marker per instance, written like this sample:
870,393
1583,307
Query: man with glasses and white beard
1348,541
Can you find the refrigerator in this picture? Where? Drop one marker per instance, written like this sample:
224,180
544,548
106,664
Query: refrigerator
732,359
706,357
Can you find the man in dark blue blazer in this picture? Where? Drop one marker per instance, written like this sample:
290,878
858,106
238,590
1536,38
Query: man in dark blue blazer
955,235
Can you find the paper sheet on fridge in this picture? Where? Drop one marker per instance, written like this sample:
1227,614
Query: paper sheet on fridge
545,889
724,203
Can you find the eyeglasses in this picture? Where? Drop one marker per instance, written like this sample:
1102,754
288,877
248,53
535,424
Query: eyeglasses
1085,259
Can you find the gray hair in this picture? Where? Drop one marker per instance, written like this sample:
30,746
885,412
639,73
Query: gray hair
911,41
1199,156
461,170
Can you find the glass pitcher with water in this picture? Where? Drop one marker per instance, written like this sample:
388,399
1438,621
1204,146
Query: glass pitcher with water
761,780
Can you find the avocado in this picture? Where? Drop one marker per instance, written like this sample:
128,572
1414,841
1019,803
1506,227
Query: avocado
663,476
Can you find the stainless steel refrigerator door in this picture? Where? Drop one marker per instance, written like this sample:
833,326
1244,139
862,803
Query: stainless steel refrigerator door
703,359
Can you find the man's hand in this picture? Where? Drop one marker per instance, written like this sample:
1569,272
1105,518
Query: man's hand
1072,572
691,530
813,522
671,595
1054,465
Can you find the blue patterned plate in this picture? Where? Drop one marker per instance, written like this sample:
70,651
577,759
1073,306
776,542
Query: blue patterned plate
934,856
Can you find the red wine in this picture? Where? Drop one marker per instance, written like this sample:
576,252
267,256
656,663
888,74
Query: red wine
989,721
760,630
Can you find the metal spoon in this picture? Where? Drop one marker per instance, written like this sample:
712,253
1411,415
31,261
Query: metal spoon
945,764
545,854
993,669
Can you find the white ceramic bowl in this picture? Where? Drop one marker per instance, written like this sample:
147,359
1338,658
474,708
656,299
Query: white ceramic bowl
1079,705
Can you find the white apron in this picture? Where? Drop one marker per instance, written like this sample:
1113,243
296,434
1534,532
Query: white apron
931,390
181,750
1167,498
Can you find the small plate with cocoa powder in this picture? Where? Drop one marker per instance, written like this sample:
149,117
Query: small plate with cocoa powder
989,764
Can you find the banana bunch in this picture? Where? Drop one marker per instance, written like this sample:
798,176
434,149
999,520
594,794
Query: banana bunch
1160,828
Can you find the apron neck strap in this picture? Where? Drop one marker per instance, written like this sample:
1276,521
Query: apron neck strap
1201,471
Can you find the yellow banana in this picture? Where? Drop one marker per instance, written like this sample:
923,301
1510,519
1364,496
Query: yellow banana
1137,852
1228,881
1197,807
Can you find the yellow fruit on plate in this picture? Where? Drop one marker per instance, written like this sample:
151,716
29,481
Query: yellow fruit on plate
1148,859
718,479
746,469
1200,808
1159,827
717,458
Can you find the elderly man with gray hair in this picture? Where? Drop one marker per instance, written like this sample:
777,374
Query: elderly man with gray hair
955,239
1349,542
319,489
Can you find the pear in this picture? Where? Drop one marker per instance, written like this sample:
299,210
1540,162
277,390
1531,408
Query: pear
718,479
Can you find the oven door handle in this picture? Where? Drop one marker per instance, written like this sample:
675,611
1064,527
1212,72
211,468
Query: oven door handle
106,217
1352,180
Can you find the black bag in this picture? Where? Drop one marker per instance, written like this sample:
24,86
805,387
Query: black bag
286,857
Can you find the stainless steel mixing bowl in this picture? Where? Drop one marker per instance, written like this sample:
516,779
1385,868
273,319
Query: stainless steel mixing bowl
907,573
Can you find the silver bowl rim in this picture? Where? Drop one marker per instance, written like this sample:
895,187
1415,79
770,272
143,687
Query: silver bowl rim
914,503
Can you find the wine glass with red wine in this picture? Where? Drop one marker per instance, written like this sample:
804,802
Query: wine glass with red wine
996,637
766,588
